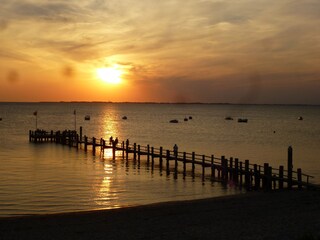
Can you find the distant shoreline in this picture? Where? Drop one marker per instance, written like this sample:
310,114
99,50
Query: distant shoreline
160,103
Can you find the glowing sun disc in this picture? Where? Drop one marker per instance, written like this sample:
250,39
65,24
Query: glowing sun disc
109,75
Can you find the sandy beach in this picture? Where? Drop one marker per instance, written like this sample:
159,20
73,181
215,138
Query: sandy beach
258,215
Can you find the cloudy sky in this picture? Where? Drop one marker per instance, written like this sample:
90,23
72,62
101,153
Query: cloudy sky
236,51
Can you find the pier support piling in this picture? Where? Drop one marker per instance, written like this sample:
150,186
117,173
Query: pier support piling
290,167
212,168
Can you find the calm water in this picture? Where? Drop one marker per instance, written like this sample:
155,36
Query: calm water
49,178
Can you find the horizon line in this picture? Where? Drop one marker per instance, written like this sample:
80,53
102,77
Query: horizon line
150,102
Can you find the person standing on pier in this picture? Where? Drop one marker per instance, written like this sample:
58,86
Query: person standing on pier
175,150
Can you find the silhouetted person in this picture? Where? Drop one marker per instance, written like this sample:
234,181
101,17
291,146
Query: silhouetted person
175,149
111,140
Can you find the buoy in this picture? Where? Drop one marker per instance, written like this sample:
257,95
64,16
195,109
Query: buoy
174,121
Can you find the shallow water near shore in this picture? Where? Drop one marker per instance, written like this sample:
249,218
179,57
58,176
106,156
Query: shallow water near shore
50,178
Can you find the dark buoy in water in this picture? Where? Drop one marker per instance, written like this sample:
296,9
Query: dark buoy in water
300,118
124,118
190,117
242,120
174,121
185,119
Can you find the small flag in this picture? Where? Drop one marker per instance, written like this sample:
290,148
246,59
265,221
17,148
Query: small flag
35,113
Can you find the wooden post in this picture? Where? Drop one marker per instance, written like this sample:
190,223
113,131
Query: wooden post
226,168
236,170
75,134
160,158
231,169
226,164
270,177
223,166
168,158
123,149
175,164
85,143
148,154
93,146
256,177
241,173
193,164
265,181
184,164
71,138
103,146
64,138
57,137
299,172
134,151
203,167
212,168
60,137
77,141
152,157
67,137
139,153
127,149
281,168
247,174
114,151
80,134
290,166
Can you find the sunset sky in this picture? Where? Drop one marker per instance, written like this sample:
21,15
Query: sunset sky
235,51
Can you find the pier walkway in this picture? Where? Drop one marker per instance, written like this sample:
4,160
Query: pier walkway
227,170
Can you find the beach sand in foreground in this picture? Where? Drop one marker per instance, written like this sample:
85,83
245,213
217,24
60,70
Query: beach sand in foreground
258,215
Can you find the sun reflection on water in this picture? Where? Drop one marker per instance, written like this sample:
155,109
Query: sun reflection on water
106,193
107,154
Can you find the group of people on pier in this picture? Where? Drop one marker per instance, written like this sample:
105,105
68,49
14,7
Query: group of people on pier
113,142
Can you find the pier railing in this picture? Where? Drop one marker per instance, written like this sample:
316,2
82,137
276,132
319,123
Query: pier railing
228,170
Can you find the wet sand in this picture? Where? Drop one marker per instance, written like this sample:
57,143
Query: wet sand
258,215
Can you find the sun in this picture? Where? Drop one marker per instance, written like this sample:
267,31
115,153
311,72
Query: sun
110,75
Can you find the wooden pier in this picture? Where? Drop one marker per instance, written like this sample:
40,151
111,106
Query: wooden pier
227,170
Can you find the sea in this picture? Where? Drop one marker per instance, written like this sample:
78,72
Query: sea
46,178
